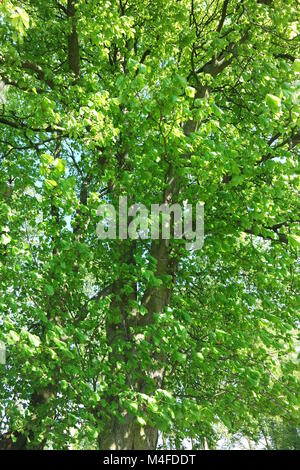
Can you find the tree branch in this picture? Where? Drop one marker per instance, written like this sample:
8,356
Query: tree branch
223,16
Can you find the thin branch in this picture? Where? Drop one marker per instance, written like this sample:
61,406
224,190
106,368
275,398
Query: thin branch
223,16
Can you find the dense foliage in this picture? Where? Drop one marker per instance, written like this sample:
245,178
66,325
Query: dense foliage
130,344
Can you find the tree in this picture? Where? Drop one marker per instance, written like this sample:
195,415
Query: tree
113,343
284,437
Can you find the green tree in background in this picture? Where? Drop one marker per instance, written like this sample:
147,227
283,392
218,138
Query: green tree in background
283,437
131,344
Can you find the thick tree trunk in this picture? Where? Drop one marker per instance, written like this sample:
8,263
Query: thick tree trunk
128,435
8,443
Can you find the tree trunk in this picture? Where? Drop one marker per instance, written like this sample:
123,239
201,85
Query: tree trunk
8,443
128,435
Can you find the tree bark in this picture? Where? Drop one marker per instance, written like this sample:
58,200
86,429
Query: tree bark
128,435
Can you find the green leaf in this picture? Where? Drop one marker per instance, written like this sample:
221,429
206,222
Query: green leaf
5,239
34,340
296,65
273,102
50,183
50,290
141,421
190,91
14,336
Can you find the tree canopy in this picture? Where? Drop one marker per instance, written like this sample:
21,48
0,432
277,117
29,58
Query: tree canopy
139,343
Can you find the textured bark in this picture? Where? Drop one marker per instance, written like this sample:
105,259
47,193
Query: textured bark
128,436
8,443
